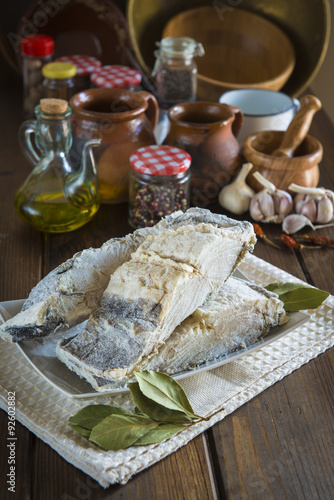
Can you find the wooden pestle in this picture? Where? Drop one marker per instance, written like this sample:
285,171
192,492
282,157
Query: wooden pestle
299,126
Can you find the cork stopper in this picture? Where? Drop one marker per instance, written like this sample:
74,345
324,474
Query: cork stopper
53,106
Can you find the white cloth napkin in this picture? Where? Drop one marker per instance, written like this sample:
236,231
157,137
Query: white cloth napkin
45,411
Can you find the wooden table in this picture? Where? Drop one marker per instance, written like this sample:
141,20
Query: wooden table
277,446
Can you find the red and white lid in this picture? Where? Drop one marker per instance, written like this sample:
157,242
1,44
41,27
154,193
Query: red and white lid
86,65
116,76
160,160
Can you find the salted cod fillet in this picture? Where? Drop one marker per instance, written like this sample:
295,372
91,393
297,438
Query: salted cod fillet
237,316
69,293
168,277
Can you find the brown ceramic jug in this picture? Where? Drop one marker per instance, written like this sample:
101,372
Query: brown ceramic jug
207,131
124,121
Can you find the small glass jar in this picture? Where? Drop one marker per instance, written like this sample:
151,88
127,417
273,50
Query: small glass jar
159,184
85,66
175,69
116,77
37,50
58,80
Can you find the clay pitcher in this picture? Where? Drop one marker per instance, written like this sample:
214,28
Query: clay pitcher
124,121
207,131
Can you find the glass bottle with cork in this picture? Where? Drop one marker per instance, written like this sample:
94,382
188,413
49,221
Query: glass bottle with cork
56,197
159,184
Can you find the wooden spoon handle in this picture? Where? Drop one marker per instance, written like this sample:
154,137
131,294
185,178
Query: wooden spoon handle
299,126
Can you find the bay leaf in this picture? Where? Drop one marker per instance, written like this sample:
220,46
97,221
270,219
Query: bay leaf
160,433
81,430
153,409
116,432
163,389
297,296
280,288
89,416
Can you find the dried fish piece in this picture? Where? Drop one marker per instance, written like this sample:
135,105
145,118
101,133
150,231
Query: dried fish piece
71,292
168,277
236,316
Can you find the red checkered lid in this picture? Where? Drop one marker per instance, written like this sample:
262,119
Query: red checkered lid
116,76
86,65
160,160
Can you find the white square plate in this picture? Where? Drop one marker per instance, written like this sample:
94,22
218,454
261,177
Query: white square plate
42,354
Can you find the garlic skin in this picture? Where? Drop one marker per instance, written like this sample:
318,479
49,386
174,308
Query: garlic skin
317,204
237,195
270,204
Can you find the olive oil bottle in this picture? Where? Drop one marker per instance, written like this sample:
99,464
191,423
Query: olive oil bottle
56,197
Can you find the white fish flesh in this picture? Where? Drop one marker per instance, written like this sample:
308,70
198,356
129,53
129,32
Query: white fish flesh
168,277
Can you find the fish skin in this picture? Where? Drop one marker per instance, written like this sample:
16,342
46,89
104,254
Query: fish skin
177,269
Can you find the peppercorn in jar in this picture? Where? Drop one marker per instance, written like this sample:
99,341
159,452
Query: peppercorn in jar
159,184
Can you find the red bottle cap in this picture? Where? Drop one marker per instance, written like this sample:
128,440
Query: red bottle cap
37,45
160,160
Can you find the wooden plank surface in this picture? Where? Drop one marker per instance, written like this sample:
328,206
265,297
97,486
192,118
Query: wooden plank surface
279,445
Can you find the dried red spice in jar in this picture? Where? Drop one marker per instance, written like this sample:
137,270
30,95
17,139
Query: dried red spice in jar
159,184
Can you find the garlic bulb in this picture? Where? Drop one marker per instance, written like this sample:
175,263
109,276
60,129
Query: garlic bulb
270,204
317,204
236,196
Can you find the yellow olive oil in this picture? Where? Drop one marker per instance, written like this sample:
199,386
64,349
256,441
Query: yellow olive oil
52,212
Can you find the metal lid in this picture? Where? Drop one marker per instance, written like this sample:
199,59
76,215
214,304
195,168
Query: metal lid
85,65
37,45
160,160
59,70
116,76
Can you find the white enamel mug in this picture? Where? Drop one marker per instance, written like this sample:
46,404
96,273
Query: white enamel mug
263,109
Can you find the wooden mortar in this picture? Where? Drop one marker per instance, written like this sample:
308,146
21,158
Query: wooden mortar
286,157
302,168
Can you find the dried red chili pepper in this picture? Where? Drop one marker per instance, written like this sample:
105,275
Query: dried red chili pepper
260,234
319,240
291,243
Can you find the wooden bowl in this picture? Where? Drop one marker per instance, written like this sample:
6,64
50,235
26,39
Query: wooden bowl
242,50
302,168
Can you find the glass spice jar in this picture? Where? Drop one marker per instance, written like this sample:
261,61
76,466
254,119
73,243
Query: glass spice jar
159,184
37,50
116,77
85,66
58,80
175,69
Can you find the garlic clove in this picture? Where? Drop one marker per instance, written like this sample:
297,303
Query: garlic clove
283,202
255,209
298,201
324,210
295,222
266,203
309,209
